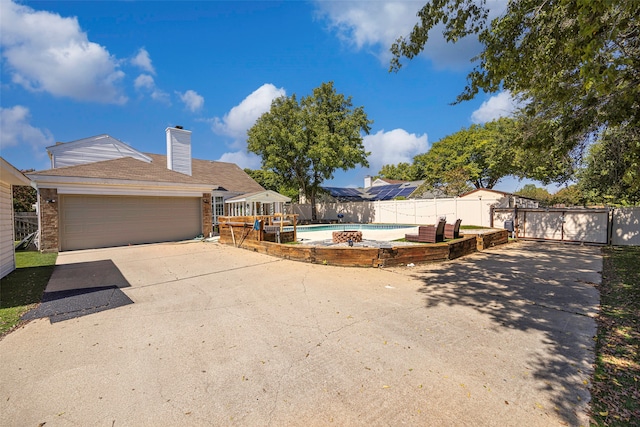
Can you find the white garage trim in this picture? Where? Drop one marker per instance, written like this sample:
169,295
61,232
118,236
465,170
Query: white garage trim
89,221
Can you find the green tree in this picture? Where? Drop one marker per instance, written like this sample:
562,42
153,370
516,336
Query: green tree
477,157
402,171
576,63
568,196
611,174
306,142
24,197
532,192
270,180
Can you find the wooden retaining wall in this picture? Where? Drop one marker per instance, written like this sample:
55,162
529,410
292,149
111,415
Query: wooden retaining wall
494,238
370,257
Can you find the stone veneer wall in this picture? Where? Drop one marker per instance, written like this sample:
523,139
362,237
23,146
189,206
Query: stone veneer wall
49,219
207,215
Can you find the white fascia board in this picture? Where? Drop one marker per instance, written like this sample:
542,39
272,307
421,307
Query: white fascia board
73,185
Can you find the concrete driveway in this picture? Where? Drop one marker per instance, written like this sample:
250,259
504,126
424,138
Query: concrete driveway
224,336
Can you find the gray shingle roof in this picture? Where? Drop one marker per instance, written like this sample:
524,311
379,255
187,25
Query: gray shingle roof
217,174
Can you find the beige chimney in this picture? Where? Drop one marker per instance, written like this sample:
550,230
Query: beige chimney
179,150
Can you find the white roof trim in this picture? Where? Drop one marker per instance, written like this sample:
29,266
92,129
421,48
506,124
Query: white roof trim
54,181
267,196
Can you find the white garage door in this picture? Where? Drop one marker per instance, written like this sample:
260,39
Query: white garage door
101,221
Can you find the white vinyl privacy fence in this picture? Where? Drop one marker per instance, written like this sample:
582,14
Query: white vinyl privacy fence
616,226
418,211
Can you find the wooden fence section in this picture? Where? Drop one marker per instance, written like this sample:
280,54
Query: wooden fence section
373,257
25,223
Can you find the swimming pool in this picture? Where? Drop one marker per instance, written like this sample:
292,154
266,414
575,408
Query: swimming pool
343,227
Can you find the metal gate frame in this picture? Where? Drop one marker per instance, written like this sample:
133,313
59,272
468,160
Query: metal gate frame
555,227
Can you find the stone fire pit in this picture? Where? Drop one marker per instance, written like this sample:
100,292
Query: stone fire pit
345,236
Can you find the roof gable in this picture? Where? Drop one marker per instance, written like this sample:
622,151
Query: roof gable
265,196
93,149
481,191
10,175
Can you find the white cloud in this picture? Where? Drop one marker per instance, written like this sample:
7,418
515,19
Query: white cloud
376,25
192,100
146,83
242,159
45,52
393,147
500,105
18,132
370,24
240,118
143,61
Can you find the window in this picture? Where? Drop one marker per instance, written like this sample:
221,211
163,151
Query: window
218,208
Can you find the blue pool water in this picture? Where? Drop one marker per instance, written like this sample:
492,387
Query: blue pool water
342,227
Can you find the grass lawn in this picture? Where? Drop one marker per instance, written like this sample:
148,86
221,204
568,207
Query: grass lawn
615,395
22,289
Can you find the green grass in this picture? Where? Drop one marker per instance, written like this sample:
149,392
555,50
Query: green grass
22,289
615,390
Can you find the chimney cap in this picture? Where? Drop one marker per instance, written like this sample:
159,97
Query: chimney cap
179,127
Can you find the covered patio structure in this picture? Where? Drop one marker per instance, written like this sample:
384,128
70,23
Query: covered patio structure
265,202
257,216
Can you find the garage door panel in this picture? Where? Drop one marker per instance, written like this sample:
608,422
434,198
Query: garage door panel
103,221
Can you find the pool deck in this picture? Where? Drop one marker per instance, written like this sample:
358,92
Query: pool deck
321,237
311,237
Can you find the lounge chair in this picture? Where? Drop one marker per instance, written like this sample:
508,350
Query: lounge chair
428,233
452,231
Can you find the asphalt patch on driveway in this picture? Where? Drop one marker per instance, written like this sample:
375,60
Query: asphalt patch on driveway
69,304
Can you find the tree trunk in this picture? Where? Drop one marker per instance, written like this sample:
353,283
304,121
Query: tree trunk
312,200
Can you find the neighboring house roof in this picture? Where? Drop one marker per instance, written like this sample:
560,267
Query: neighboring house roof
10,175
386,181
484,190
373,193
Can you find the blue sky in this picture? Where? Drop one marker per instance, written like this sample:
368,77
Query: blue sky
75,69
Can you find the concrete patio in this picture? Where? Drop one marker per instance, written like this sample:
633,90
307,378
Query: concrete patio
223,336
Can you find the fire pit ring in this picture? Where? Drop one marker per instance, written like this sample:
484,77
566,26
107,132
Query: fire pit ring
345,236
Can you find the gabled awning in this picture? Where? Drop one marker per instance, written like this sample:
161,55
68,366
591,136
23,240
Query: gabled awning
266,196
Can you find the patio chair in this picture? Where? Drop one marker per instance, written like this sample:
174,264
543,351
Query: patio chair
452,231
428,233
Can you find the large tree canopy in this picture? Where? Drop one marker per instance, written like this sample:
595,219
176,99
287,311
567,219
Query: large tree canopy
574,63
402,171
476,157
611,173
270,180
306,142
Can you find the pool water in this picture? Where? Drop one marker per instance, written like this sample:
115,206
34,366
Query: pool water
343,227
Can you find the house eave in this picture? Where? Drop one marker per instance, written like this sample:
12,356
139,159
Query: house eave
102,186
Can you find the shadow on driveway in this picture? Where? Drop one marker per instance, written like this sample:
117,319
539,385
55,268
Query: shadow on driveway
80,289
533,287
